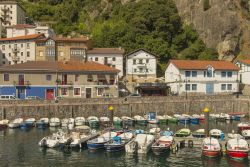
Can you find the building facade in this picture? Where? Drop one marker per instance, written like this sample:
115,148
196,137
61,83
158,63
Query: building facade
112,57
244,73
26,29
62,48
12,13
207,77
49,79
18,49
141,66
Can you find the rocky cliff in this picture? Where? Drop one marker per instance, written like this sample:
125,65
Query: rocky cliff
221,24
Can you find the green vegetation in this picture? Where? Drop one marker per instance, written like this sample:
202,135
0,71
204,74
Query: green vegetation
206,5
153,25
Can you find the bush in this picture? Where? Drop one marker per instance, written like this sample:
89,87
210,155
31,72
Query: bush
206,5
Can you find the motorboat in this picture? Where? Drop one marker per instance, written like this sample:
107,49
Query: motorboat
152,118
54,140
140,120
234,136
104,120
28,123
200,133
184,119
195,119
42,123
237,148
211,147
140,144
183,132
15,123
216,133
65,122
93,122
118,142
154,130
128,121
54,122
162,145
117,121
99,142
4,124
246,134
171,119
79,121
161,119
71,123
243,126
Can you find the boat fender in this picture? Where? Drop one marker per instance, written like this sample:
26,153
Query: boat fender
190,143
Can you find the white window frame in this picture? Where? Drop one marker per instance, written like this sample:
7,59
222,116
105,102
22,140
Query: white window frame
74,92
97,91
67,92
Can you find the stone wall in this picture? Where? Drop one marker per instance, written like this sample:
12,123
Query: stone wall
124,106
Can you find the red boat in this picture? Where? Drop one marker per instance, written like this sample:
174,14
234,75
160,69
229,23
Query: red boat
237,148
211,147
243,126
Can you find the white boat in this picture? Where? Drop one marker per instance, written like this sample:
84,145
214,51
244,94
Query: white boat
128,121
140,120
140,144
154,130
152,118
42,123
79,121
237,148
99,142
93,121
162,145
53,140
65,122
15,123
243,126
234,136
216,133
246,134
71,123
104,120
211,147
80,135
4,124
54,122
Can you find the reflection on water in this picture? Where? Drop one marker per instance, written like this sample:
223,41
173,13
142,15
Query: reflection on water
20,148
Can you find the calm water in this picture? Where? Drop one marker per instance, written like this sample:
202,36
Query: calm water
20,148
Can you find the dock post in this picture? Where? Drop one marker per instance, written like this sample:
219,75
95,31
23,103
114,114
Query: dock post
206,111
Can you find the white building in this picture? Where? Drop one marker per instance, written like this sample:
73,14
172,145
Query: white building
26,29
12,13
141,66
244,73
112,57
18,49
192,76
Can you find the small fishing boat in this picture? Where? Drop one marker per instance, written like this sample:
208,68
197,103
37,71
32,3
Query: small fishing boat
162,119
54,122
4,124
79,121
184,119
152,118
202,118
28,123
183,132
216,133
71,123
162,145
93,122
234,136
42,123
139,131
99,142
171,119
65,122
221,117
53,140
154,130
118,142
140,144
235,117
246,134
195,119
243,126
140,120
104,120
211,147
200,133
15,123
128,121
237,149
117,121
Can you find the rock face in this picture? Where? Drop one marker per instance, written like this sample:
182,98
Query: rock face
222,26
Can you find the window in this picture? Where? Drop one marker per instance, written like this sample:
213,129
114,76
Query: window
28,54
77,91
223,74
50,43
40,53
9,54
147,60
209,72
96,59
3,55
140,61
61,53
113,58
100,91
78,52
3,62
135,70
229,74
229,86
140,70
113,66
50,52
3,47
21,53
194,87
194,73
134,61
28,45
76,77
9,62
187,73
48,77
223,86
90,78
21,45
15,46
6,77
187,87
146,70
64,91
9,46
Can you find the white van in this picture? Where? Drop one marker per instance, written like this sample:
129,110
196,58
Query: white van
8,97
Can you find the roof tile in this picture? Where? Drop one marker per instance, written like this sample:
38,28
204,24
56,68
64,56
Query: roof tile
26,37
106,51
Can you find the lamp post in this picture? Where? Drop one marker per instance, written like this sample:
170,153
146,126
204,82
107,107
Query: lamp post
206,111
111,115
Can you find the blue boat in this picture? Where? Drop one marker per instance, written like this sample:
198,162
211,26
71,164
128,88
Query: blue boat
118,142
152,118
184,120
236,117
194,120
28,123
42,123
99,142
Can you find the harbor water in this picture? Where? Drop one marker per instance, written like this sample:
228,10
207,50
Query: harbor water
20,148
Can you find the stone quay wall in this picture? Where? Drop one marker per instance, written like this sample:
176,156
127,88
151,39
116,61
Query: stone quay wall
131,106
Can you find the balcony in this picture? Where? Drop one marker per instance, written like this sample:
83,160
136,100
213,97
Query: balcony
21,83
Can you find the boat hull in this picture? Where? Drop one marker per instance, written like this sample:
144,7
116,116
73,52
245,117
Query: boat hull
237,154
54,124
158,150
195,121
26,125
3,126
141,122
14,125
114,147
211,154
96,146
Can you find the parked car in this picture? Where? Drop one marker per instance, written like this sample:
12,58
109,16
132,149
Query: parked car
33,98
8,97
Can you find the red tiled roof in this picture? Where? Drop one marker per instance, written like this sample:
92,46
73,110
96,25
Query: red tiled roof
244,61
21,26
202,64
106,50
71,66
26,37
65,39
